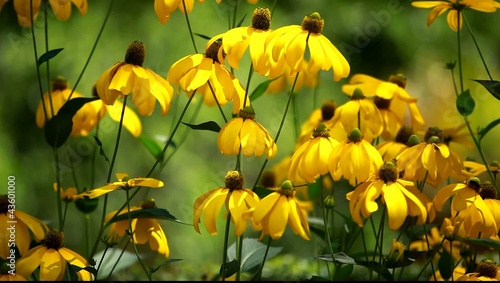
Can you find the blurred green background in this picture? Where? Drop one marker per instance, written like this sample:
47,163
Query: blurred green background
379,38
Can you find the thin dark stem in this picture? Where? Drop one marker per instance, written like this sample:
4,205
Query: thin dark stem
189,27
224,248
459,54
261,267
327,229
238,257
477,47
46,29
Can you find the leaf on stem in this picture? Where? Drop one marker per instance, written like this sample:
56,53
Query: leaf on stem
48,55
151,213
167,262
445,265
465,103
101,150
231,268
151,146
260,89
207,126
482,132
492,86
252,253
203,36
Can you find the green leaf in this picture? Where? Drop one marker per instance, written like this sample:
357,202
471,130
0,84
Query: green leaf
317,278
101,151
313,189
203,36
260,89
492,86
151,213
58,129
445,265
231,268
490,126
151,146
375,266
483,242
338,257
465,103
207,126
241,21
343,273
111,256
167,262
252,253
48,55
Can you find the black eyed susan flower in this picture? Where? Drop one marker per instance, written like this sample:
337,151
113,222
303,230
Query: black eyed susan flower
476,169
311,159
124,182
238,202
61,9
207,74
164,8
145,230
435,240
361,113
455,8
397,252
84,120
355,159
432,158
245,133
288,44
24,223
280,208
399,196
236,40
129,77
392,100
486,270
52,258
392,148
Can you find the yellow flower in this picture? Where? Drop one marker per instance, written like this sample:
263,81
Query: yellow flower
476,169
206,74
392,148
52,257
236,40
486,270
124,182
67,195
287,45
238,201
311,159
130,77
435,240
397,252
84,120
458,272
355,159
392,100
431,160
358,112
455,8
23,223
452,134
243,132
164,8
61,9
144,229
5,274
280,208
400,197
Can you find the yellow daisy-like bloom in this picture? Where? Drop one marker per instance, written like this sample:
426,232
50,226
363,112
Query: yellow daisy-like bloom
23,224
470,214
304,78
392,100
392,148
458,272
311,159
236,40
397,252
124,182
52,257
355,159
399,196
164,8
238,201
129,77
453,135
61,9
359,112
455,8
476,169
431,160
280,208
145,230
67,195
245,134
437,241
486,270
287,45
85,118
206,74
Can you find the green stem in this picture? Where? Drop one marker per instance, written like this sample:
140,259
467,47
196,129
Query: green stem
477,47
234,13
261,267
58,184
217,101
87,232
250,73
296,125
93,49
118,260
238,257
381,239
224,248
46,29
327,230
39,78
459,55
189,27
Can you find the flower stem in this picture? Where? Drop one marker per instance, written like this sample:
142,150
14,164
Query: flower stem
327,230
477,47
46,29
238,257
189,27
87,232
459,55
258,275
224,248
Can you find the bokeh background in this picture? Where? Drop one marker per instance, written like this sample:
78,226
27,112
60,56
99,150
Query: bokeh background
379,38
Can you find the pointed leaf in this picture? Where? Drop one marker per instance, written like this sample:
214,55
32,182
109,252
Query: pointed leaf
492,86
252,253
483,242
167,262
231,268
203,36
101,150
207,126
260,89
151,146
241,21
445,265
152,213
490,126
465,103
111,256
58,129
48,55
343,273
338,257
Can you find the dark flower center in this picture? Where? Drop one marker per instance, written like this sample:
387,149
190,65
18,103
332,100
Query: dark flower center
150,203
475,184
286,188
136,52
382,103
268,179
321,131
261,19
398,79
247,113
487,268
313,23
355,135
234,180
54,239
433,131
357,94
59,83
388,172
328,110
212,51
404,134
488,191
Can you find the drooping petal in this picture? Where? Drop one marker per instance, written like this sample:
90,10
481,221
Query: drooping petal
52,266
30,261
397,208
278,217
